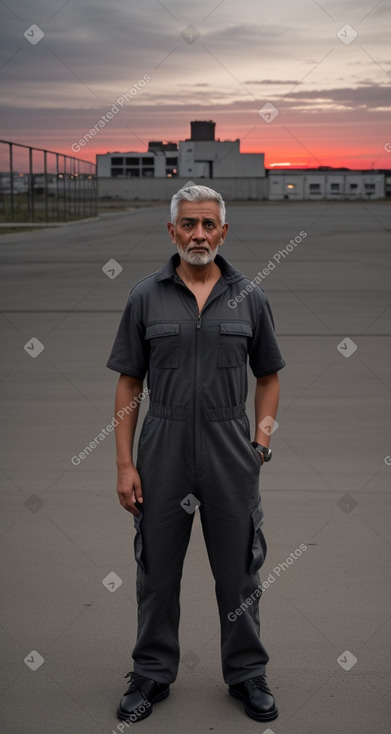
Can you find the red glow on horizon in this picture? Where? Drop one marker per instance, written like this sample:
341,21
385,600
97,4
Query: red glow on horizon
276,157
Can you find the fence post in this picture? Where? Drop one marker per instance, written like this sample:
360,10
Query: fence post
11,180
45,178
57,185
31,187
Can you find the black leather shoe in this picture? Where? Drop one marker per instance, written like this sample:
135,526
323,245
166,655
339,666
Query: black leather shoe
137,702
258,699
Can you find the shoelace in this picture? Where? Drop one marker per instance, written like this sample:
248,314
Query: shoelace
135,681
257,684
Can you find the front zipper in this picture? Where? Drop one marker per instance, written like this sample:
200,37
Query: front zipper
197,371
197,402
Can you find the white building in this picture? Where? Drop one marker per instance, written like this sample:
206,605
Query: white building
218,159
159,162
199,157
299,185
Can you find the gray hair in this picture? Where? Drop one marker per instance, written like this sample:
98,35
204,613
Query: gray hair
196,193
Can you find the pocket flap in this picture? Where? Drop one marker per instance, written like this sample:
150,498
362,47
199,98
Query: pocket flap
161,330
257,516
259,547
138,540
236,327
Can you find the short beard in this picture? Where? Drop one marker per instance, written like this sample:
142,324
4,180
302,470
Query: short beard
197,258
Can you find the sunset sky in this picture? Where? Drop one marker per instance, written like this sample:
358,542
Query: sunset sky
218,60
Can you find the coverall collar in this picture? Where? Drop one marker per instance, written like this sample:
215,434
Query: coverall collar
228,273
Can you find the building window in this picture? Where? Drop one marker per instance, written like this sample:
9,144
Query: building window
148,172
117,171
133,172
353,186
171,172
370,187
334,187
147,161
315,188
171,161
117,161
290,186
133,161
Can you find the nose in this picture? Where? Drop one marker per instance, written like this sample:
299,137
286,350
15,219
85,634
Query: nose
198,233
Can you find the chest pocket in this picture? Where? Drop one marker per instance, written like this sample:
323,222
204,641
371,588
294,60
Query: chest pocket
164,345
232,350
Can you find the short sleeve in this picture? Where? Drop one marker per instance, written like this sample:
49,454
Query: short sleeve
129,354
265,357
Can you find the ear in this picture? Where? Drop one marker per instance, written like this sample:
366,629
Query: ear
171,231
224,231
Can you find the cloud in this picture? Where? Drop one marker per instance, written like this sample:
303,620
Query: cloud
93,51
273,82
362,97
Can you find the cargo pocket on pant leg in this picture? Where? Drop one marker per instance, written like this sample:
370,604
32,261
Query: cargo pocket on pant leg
259,547
138,541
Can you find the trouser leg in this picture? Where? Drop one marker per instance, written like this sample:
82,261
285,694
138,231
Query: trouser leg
236,549
232,516
163,532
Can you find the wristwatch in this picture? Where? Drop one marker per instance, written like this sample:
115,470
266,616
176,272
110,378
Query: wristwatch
266,452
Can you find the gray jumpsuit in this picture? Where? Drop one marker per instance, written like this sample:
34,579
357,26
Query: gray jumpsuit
195,440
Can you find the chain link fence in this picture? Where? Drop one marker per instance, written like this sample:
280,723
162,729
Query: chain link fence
38,185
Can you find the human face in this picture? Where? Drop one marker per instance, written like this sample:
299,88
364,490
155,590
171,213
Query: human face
198,232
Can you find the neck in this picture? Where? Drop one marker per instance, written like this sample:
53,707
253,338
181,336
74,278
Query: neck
199,274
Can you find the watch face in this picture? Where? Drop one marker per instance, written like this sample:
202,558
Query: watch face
266,452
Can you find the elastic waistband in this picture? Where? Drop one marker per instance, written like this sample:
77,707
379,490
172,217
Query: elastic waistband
227,413
175,412
179,413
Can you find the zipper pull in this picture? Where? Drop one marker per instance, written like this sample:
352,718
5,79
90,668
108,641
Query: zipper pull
199,321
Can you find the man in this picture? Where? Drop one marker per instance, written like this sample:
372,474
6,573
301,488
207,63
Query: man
180,329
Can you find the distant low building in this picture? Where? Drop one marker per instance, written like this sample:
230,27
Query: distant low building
314,185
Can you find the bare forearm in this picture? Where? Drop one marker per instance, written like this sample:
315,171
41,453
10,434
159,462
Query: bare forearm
267,395
128,388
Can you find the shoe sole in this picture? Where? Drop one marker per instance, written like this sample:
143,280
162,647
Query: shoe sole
269,716
126,717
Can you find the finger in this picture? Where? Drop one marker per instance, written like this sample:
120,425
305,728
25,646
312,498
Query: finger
138,492
128,505
132,506
126,502
133,510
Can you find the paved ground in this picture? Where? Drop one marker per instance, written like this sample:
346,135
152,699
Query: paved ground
63,531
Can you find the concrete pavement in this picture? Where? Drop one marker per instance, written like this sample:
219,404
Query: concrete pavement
66,636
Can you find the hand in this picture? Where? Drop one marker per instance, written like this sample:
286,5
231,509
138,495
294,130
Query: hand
259,454
129,488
